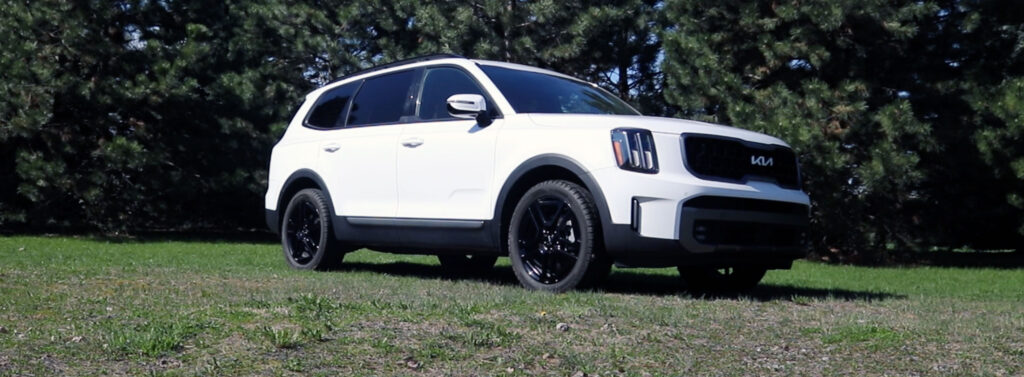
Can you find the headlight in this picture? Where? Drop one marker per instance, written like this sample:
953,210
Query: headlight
634,150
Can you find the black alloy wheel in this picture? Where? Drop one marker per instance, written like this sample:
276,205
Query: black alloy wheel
548,245
306,232
552,237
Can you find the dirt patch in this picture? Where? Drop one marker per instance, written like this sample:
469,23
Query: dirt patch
53,364
166,363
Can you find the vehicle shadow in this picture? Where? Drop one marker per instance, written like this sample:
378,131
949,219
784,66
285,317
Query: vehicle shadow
500,275
251,237
630,282
638,283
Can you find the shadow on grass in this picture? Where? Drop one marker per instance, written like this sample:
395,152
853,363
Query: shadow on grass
637,282
497,275
631,282
251,236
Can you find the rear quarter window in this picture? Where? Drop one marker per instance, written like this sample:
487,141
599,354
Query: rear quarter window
331,106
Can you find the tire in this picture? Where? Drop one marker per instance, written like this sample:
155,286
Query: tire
722,280
307,237
552,238
467,263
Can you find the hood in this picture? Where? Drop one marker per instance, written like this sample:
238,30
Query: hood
654,124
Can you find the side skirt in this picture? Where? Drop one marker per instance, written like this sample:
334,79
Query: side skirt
418,236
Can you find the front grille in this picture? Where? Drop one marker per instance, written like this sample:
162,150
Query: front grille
733,160
713,232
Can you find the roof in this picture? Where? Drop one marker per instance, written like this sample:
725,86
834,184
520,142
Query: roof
400,63
426,58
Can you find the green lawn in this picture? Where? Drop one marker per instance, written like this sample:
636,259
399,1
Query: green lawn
85,307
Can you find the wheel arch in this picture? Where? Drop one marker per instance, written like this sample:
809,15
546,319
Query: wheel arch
533,171
299,180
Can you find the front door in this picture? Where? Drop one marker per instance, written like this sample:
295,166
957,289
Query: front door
445,165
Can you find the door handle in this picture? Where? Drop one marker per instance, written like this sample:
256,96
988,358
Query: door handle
332,147
412,142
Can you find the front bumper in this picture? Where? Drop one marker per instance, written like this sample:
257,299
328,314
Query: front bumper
744,238
678,220
273,221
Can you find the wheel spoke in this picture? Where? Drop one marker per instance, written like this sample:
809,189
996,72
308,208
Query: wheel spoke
536,216
290,226
533,268
310,244
567,255
529,244
549,263
314,233
312,217
556,218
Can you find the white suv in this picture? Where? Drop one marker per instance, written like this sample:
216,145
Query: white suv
472,160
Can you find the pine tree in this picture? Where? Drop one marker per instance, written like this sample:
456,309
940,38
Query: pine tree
882,102
1002,144
968,68
611,43
814,73
140,114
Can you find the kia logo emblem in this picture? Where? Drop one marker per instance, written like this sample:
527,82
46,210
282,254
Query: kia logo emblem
761,161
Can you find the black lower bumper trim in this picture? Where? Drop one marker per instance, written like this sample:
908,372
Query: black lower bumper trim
713,237
273,221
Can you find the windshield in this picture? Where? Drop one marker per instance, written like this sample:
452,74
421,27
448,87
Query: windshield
531,92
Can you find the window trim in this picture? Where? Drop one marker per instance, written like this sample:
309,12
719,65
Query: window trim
410,104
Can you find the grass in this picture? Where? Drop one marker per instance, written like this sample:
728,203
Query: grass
85,307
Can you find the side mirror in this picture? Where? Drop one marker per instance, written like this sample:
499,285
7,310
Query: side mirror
470,106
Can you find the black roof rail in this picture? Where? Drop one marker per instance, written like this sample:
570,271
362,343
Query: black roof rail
400,62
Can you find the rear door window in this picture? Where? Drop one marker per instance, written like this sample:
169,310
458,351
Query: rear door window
381,99
331,106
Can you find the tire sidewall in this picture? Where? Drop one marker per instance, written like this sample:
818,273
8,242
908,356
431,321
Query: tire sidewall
564,191
316,197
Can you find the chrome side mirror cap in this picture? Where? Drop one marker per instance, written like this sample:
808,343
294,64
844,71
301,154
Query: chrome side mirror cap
470,106
466,106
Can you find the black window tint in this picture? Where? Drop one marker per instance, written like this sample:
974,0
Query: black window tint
381,99
329,107
532,92
438,85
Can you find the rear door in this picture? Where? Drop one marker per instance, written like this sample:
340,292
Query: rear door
445,165
358,157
